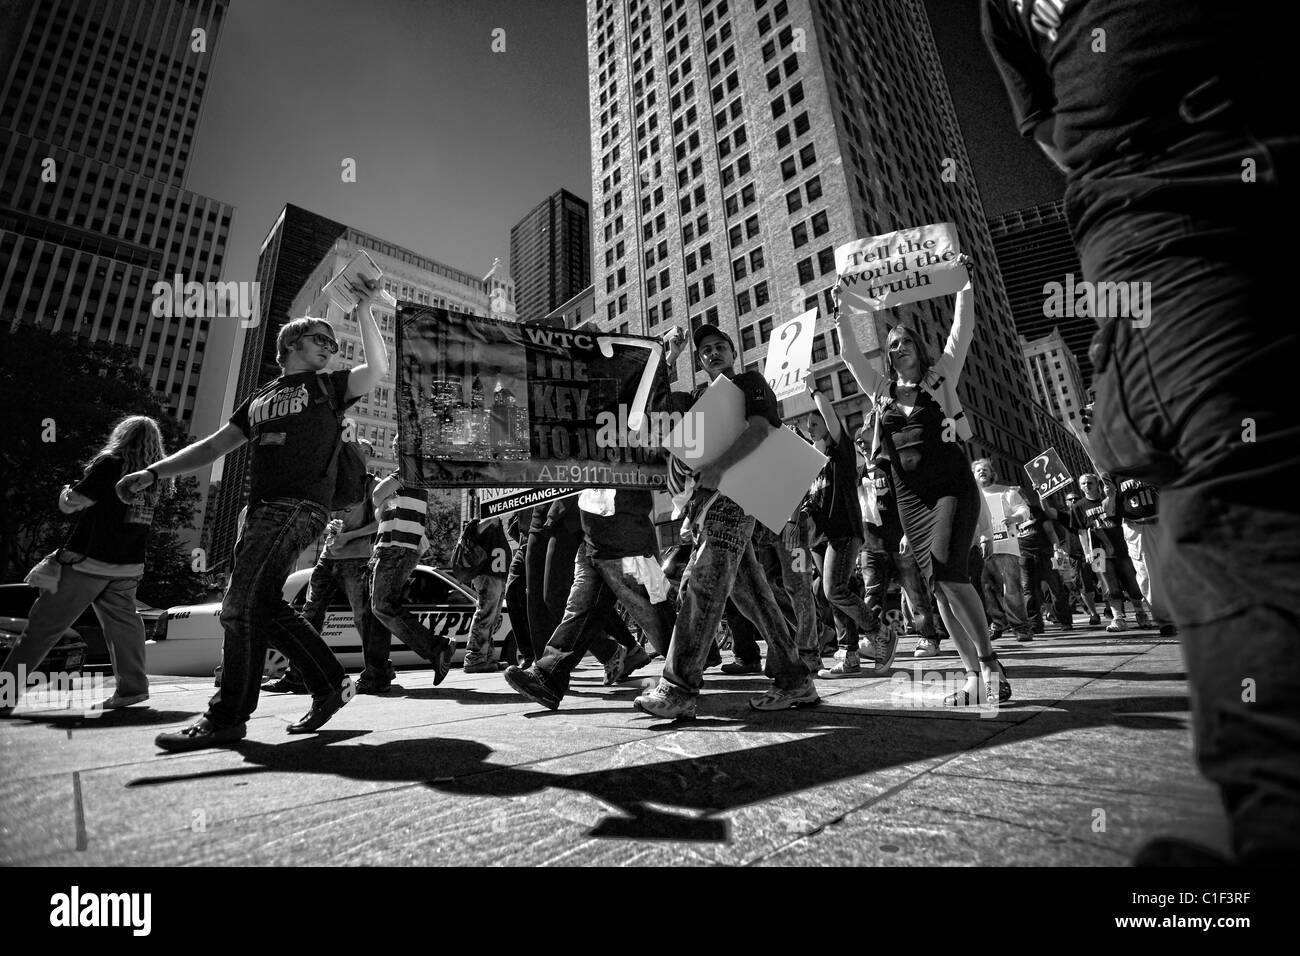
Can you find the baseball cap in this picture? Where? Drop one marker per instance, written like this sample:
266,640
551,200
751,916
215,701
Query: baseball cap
706,329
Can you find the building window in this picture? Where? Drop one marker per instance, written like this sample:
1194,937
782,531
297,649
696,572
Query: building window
847,385
799,235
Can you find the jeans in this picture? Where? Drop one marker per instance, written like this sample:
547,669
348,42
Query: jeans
788,564
351,578
390,569
487,615
1035,568
1119,577
850,612
1201,402
51,614
1003,598
517,603
723,565
881,567
254,613
599,584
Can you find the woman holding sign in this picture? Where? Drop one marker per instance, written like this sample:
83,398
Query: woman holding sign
922,427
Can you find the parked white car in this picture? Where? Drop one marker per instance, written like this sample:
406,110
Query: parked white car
187,639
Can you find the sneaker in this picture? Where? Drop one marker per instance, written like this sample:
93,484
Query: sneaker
614,666
1168,630
886,647
668,700
365,686
926,647
1117,625
851,666
1024,637
803,694
284,686
121,700
739,667
635,659
1094,621
199,735
442,661
531,684
485,666
323,709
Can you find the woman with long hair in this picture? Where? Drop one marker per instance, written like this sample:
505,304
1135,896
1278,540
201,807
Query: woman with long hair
922,429
100,565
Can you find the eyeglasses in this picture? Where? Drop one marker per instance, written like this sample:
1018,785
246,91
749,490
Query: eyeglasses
323,340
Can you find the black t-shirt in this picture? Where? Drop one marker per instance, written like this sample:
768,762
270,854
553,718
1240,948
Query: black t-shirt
292,431
1106,530
759,397
491,537
1138,501
1032,534
628,532
833,499
110,530
1103,68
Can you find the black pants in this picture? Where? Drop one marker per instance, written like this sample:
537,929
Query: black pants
1035,568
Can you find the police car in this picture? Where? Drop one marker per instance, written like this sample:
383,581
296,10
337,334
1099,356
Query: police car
187,639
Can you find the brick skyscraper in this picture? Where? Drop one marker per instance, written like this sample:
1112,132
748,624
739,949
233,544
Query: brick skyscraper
550,255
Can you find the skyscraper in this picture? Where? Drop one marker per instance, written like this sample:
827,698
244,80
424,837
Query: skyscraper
300,254
98,108
1034,248
1054,376
550,254
736,143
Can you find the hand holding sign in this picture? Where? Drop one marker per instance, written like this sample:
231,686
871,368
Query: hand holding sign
789,355
1047,473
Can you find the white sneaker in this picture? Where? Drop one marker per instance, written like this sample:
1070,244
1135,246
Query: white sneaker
801,695
851,666
118,700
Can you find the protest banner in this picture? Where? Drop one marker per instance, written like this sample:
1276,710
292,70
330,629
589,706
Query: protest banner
486,402
497,502
899,267
789,355
1047,473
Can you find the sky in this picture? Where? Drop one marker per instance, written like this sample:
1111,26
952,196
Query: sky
454,142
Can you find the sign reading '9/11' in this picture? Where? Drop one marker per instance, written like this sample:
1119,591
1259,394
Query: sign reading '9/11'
489,403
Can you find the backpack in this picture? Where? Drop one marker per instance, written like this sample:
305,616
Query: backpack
350,478
468,555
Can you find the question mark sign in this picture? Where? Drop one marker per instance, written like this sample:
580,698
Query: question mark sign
793,328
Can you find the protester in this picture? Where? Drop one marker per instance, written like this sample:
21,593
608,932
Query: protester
482,557
1081,563
401,540
1139,507
1039,541
294,426
1004,598
832,506
617,563
516,596
1095,519
99,566
937,498
723,563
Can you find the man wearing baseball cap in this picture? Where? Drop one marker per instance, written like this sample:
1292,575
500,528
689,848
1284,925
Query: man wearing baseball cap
723,563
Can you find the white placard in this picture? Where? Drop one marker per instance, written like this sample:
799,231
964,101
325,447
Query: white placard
899,267
770,481
789,355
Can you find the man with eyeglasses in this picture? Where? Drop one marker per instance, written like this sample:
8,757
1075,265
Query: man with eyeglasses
293,427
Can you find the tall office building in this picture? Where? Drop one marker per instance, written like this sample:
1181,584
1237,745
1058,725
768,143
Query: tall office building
736,143
300,254
98,108
1034,248
1054,376
550,254
573,313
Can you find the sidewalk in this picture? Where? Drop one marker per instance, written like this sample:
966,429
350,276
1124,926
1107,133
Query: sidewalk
1091,758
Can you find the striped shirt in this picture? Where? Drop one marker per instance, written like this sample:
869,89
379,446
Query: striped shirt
401,520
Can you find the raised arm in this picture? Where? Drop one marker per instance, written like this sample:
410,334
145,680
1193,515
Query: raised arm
868,379
824,408
364,377
963,326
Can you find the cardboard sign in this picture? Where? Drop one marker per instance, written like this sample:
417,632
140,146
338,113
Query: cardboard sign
1047,473
789,355
770,482
899,267
346,290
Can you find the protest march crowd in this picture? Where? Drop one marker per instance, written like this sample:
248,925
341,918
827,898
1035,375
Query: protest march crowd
1183,524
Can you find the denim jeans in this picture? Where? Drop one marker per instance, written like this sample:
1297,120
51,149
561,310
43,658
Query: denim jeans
836,565
1201,402
789,566
489,589
881,567
254,613
51,614
723,565
1035,568
599,584
390,569
351,578
1004,600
